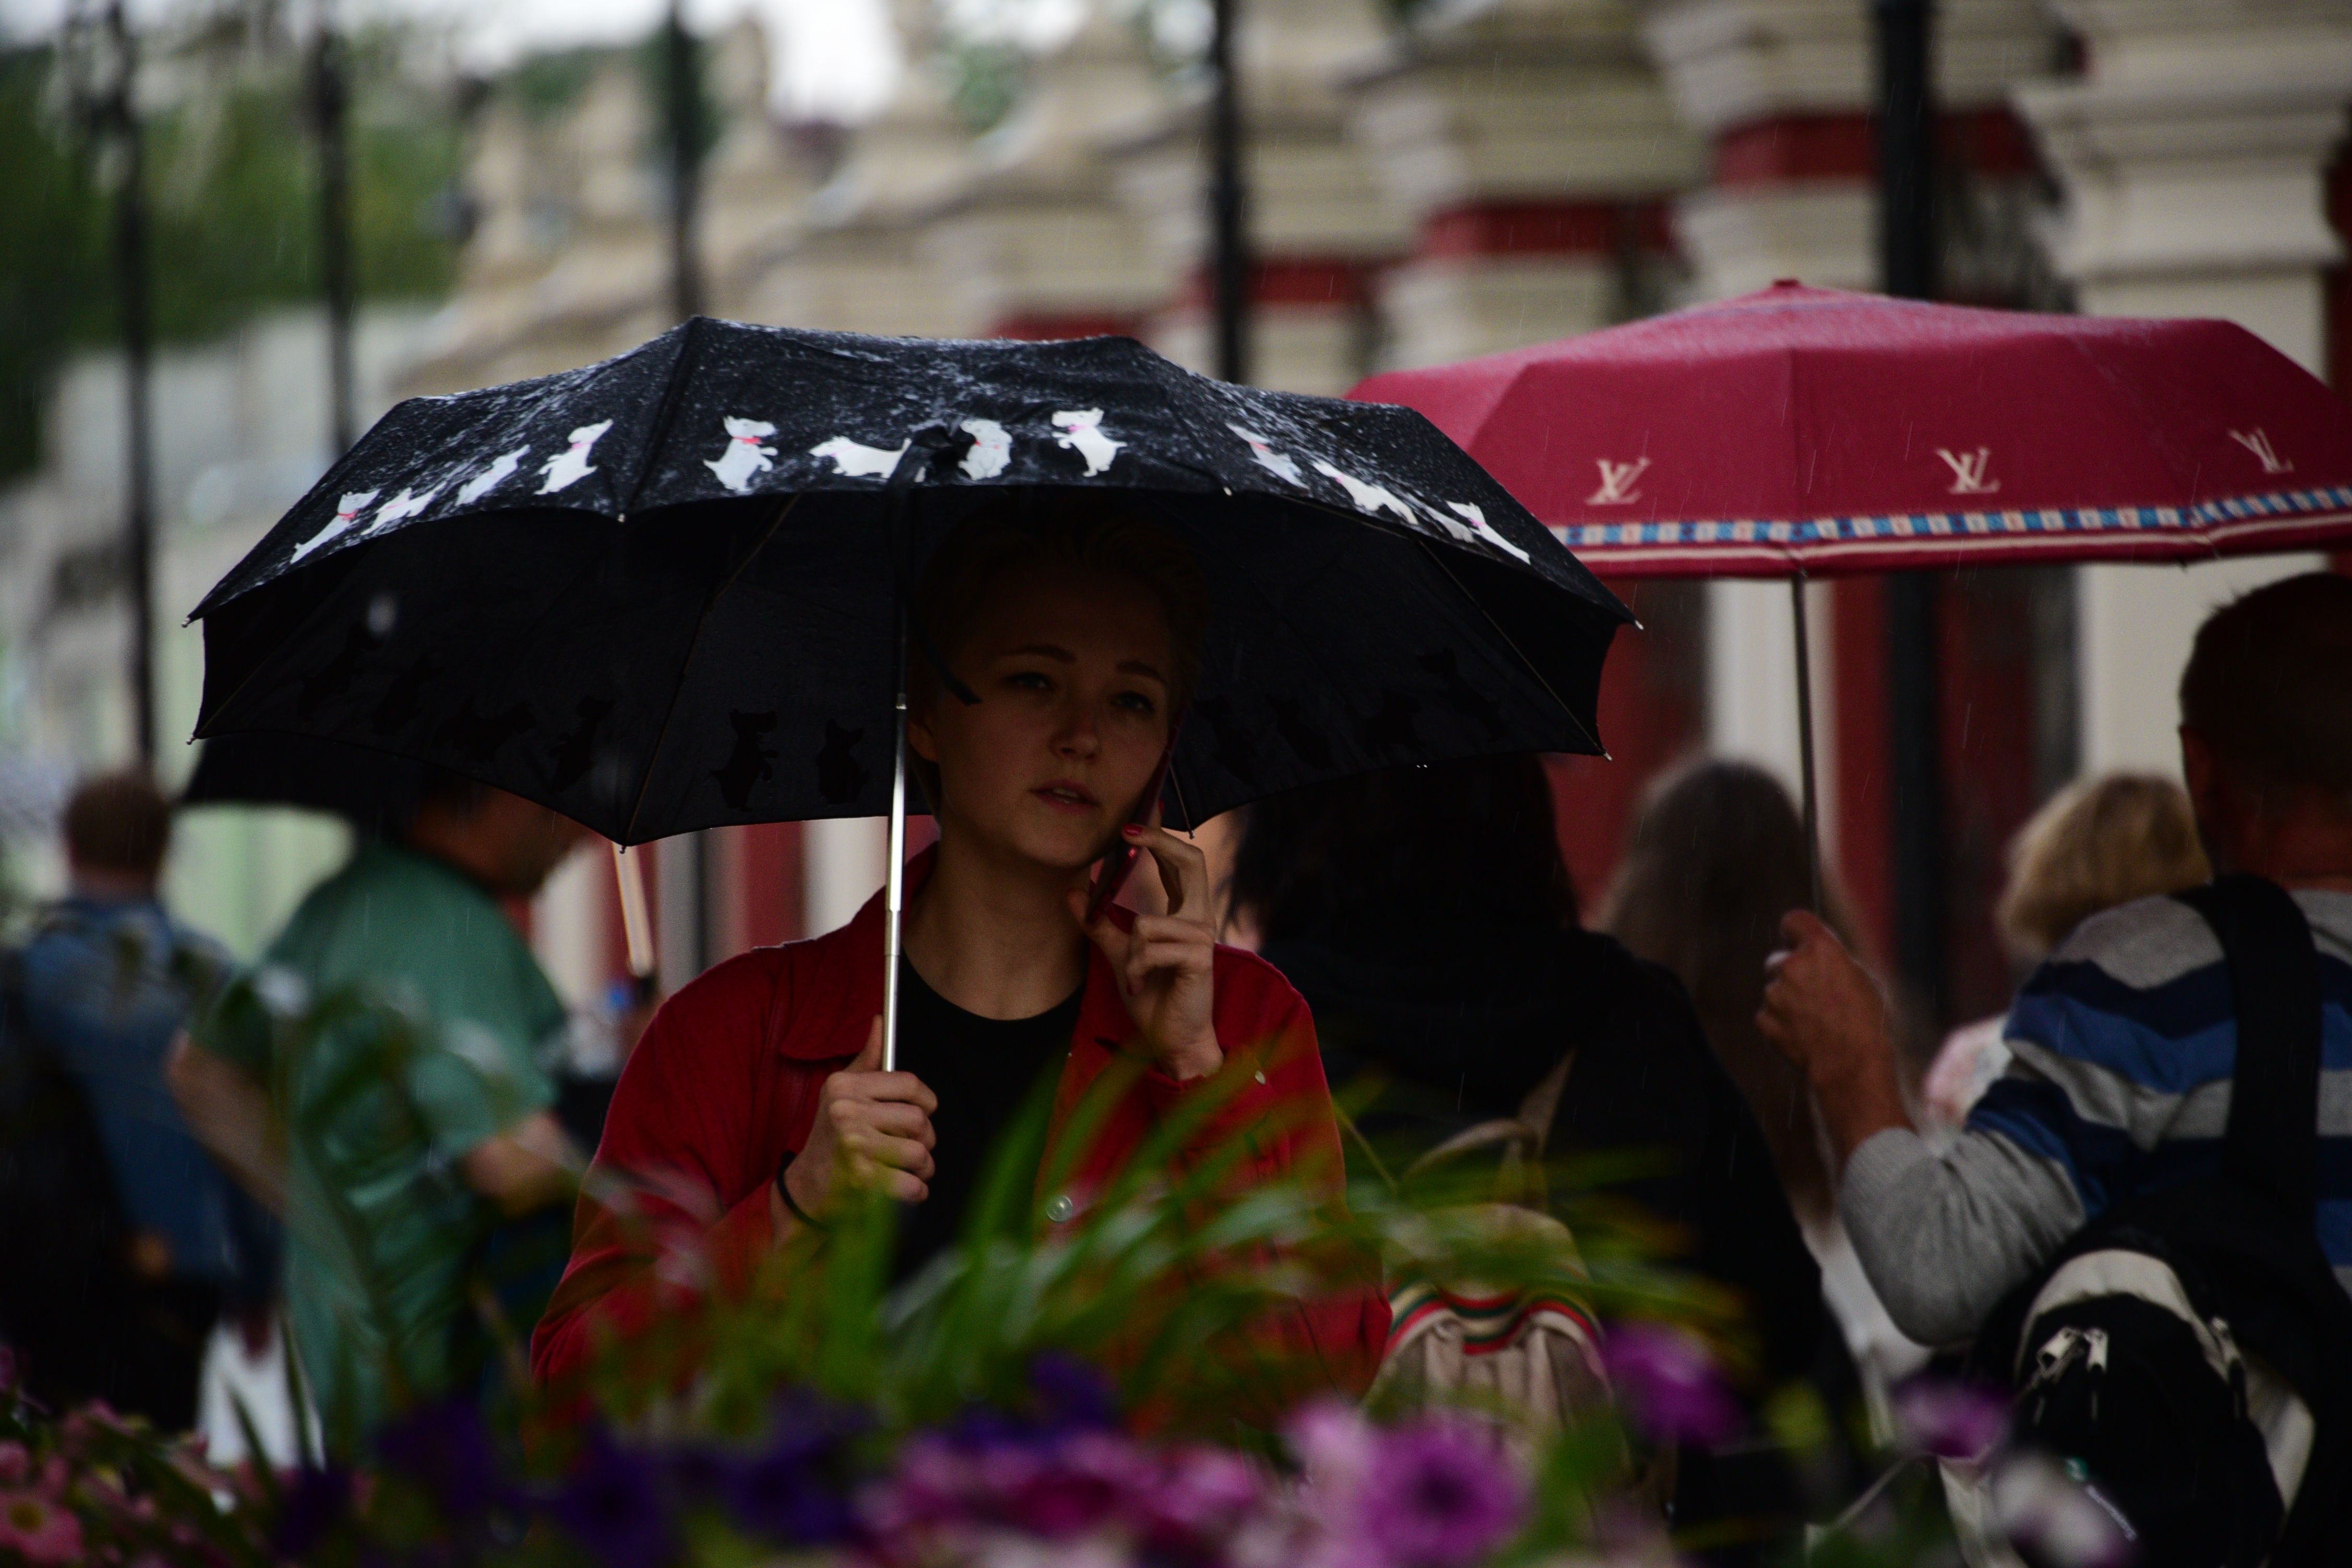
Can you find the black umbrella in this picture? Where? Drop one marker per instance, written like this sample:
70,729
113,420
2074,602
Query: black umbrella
375,793
663,593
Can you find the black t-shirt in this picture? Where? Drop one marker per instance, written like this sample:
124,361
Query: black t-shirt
982,1070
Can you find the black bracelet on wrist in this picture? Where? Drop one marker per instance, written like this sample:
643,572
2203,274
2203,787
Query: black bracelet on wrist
790,1207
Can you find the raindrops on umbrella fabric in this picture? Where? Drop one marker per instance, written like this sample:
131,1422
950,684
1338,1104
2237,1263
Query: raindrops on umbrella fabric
571,466
746,454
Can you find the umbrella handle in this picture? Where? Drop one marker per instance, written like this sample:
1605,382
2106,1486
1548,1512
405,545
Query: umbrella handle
629,875
894,890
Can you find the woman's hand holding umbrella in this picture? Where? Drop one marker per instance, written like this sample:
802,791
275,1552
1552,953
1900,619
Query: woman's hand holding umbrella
1165,963
873,1129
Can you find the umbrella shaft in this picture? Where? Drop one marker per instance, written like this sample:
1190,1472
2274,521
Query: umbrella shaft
1805,741
895,884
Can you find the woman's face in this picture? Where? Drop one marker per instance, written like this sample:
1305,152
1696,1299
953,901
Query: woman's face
1071,668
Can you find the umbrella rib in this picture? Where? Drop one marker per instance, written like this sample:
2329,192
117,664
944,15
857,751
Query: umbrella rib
629,829
672,396
1509,642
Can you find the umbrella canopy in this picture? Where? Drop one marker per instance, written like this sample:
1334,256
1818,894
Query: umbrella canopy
659,594
1809,430
374,793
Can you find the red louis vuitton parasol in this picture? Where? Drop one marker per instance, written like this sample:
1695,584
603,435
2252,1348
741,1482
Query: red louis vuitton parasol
1797,431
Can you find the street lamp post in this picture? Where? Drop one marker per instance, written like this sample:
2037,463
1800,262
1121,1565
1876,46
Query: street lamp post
1228,202
119,111
330,115
1908,268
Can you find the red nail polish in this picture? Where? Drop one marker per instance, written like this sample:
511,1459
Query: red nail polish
1133,830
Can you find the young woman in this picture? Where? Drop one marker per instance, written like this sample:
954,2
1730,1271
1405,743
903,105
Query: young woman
756,1095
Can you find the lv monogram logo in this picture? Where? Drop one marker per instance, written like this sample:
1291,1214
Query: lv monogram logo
1617,483
1968,471
2258,444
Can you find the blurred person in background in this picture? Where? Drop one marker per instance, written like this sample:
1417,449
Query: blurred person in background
456,1151
2097,843
1715,857
153,1239
1426,915
2124,1040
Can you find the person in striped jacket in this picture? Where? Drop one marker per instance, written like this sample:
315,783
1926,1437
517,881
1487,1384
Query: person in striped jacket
2123,1040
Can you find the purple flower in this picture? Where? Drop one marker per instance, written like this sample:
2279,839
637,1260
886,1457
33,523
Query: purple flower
1664,1380
1440,1494
1197,1498
782,1495
612,1504
445,1448
1947,1420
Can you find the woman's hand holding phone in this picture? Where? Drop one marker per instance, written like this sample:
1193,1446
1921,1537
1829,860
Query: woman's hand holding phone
1166,963
873,1129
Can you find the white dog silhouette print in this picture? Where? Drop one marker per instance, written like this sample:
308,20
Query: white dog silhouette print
992,448
501,468
1082,434
744,456
400,508
1367,498
1262,449
571,466
347,511
855,460
1485,529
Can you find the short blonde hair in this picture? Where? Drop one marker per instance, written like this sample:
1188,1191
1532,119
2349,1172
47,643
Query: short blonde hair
2098,843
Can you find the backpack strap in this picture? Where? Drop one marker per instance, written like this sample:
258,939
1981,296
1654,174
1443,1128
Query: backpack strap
2272,1142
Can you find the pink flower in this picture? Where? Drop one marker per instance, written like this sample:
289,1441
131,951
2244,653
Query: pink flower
15,1463
38,1528
1665,1381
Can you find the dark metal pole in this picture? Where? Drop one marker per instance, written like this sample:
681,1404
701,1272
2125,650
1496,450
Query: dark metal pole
1908,255
330,105
132,281
682,111
684,114
1228,202
1805,742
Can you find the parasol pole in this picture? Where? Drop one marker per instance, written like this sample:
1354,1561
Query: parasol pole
1805,741
629,875
894,886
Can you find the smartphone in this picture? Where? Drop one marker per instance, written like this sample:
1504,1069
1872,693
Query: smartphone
1118,860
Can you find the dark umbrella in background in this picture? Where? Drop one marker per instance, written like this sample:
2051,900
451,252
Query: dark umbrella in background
666,592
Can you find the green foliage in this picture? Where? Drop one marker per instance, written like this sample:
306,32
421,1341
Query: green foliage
232,202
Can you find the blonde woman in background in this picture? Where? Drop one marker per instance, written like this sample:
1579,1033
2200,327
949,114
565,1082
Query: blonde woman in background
2099,842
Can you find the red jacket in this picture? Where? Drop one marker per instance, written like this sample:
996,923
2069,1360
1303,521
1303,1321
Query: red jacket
725,1080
